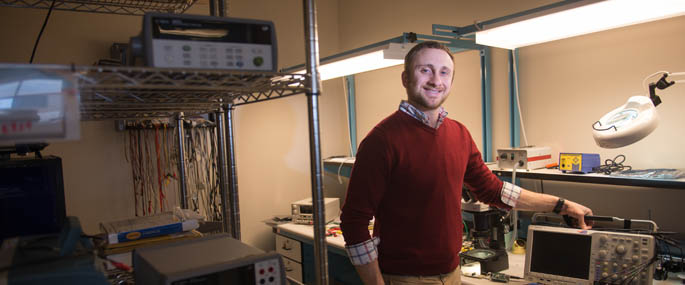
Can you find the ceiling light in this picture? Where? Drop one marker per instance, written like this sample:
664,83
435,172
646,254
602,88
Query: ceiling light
574,19
382,56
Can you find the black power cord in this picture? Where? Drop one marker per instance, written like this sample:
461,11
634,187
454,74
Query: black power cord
35,46
613,165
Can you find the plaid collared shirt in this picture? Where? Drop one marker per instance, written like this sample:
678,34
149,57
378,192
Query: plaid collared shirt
420,115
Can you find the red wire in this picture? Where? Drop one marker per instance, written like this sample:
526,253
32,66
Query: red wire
142,176
147,159
131,149
120,265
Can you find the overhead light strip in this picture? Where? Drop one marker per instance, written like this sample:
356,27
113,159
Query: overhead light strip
578,20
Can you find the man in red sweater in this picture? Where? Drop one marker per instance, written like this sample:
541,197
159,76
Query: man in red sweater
409,173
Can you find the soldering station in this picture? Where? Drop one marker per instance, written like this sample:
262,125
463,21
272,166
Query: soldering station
172,87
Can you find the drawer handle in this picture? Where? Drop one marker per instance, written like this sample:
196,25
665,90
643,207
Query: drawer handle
288,269
286,246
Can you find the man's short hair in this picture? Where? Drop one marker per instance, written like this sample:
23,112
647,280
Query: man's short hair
423,45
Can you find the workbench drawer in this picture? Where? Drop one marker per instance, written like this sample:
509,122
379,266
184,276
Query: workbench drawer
289,248
293,269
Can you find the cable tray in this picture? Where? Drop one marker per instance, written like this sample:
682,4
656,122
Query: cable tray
121,7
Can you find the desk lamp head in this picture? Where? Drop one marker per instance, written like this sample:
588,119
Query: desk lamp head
632,121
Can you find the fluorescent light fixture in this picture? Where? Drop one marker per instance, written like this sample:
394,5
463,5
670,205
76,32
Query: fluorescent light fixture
383,56
574,19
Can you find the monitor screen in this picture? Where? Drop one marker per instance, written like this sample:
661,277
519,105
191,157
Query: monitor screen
561,254
31,196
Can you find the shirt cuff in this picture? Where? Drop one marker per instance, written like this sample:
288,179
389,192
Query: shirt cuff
364,252
510,194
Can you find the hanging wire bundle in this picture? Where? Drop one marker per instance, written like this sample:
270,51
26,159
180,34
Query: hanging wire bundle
202,172
152,151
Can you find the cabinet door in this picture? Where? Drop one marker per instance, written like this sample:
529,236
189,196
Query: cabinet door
289,248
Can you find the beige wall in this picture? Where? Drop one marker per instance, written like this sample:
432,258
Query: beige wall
565,86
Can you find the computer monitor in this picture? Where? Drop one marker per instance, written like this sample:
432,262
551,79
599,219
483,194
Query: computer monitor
31,196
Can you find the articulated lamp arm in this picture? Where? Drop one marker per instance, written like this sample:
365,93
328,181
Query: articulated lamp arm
662,84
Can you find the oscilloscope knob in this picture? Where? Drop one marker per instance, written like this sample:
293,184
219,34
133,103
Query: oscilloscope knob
602,253
603,239
620,249
605,275
635,258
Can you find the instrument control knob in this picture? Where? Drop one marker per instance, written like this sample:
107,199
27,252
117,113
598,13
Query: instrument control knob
635,258
605,275
614,276
603,238
620,249
602,253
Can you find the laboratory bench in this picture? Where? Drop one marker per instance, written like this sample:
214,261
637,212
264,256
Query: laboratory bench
595,178
295,242
659,200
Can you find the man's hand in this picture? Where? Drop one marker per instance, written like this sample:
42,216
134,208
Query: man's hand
538,202
577,212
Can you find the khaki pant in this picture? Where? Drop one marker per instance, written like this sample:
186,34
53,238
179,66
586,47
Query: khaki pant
452,278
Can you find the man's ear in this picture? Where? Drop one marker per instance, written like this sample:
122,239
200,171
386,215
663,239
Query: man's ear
405,79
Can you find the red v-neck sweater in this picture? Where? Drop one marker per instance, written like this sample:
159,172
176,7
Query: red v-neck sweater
409,176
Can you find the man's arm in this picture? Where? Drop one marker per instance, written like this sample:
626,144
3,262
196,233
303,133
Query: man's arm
370,273
532,201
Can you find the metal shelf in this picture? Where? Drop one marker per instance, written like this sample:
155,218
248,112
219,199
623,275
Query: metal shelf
109,92
137,92
121,7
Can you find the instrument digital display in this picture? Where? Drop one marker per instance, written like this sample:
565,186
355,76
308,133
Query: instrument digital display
551,247
207,42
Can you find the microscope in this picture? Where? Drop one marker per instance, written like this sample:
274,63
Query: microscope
487,234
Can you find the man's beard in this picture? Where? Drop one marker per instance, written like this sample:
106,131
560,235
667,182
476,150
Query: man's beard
422,102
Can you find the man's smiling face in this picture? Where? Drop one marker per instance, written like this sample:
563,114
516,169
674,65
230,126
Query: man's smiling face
429,80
